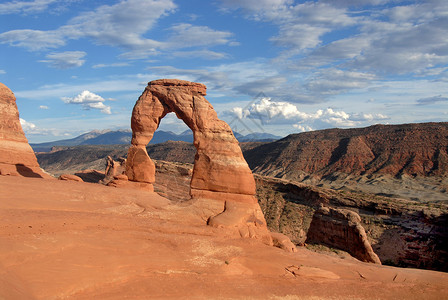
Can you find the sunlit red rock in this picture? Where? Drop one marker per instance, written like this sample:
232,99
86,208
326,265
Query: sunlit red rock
16,155
220,175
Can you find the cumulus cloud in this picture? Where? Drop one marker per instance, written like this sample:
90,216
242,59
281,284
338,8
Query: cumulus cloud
43,107
32,130
89,100
27,126
281,112
65,60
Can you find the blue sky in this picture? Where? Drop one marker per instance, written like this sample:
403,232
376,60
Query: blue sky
278,66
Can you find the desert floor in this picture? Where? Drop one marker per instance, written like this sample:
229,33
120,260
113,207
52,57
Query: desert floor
72,240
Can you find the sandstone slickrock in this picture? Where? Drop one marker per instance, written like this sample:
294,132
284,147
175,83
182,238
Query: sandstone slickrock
221,175
341,228
16,155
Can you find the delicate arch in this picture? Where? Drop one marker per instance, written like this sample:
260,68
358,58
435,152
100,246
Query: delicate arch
220,170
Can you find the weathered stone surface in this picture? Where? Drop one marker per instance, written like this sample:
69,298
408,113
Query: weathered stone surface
16,155
219,164
114,169
341,228
220,171
70,177
282,241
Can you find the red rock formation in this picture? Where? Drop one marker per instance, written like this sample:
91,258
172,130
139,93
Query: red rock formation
219,163
341,228
70,177
220,171
16,155
412,149
114,169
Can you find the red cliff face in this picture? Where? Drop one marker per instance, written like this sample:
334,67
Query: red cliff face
16,156
413,149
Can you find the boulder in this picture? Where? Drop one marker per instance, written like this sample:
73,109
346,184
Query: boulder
342,229
70,177
16,155
114,168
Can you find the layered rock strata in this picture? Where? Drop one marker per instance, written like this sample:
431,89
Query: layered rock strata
16,155
221,176
341,228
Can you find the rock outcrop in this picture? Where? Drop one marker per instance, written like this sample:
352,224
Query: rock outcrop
221,177
341,228
16,156
219,165
411,149
70,177
114,168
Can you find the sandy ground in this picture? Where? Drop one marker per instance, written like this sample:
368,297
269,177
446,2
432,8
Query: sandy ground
71,240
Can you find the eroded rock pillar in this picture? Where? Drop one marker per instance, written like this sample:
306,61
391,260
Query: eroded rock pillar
16,155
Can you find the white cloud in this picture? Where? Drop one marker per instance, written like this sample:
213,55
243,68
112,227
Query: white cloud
43,107
2,71
256,5
88,100
300,26
32,131
302,128
14,7
224,77
98,66
258,76
355,3
33,39
122,24
130,83
65,60
299,36
270,112
27,126
187,35
402,38
126,25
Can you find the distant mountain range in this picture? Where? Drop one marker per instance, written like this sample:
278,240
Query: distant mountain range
109,137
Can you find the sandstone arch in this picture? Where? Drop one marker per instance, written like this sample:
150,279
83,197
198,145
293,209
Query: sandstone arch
220,170
222,182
